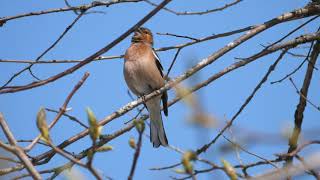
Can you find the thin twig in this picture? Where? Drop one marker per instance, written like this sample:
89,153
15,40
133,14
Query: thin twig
29,141
293,31
299,148
166,167
90,161
14,76
179,36
199,12
173,61
67,156
248,152
298,92
9,159
136,156
3,20
72,118
296,55
297,68
5,171
247,166
57,61
21,176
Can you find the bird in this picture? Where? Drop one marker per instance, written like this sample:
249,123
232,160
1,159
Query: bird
143,74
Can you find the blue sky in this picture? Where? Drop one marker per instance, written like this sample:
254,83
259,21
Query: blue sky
105,91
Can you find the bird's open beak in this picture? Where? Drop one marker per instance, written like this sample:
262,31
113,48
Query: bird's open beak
138,32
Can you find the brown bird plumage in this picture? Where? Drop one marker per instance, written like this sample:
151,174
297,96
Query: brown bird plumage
143,74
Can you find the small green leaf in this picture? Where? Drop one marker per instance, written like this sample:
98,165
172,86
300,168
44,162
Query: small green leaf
140,126
231,172
90,154
186,161
179,171
95,128
104,148
42,125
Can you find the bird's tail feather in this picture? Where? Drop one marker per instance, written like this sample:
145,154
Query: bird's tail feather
157,133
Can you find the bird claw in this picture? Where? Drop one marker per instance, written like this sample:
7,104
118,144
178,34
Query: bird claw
143,97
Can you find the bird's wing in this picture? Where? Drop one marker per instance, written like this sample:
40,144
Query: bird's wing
164,96
157,59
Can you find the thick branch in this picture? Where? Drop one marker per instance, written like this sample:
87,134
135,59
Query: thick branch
298,115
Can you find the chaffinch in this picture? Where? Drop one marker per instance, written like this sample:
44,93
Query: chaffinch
143,74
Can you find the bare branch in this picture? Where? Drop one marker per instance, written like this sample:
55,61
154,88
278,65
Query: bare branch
9,159
179,36
12,169
298,92
297,68
57,61
253,154
199,12
293,31
298,116
67,156
173,61
72,118
18,150
136,156
299,148
3,20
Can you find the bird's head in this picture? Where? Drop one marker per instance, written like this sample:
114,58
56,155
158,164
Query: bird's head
142,35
